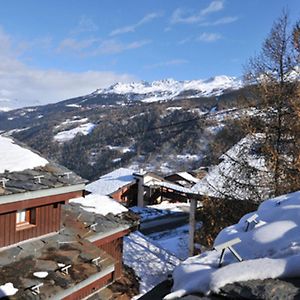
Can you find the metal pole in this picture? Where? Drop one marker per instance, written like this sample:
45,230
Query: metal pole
192,227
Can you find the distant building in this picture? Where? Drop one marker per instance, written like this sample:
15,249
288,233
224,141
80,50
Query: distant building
185,179
119,184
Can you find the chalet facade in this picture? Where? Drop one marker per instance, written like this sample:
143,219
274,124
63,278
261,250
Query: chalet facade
41,232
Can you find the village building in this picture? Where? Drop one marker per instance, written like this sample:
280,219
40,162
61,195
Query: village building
185,179
60,250
119,184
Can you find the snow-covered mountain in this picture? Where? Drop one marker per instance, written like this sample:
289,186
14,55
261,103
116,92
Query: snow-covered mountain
169,89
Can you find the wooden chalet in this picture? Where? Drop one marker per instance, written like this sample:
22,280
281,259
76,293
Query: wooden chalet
40,231
119,184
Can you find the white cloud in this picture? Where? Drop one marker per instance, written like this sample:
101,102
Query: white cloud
95,47
214,6
22,85
209,37
85,24
182,16
113,46
221,21
25,86
173,62
75,45
131,28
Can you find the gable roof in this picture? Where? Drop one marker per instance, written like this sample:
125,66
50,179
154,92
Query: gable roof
111,182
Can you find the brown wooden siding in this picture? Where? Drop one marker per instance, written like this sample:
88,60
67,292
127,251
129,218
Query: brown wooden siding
91,288
47,219
19,205
126,195
115,249
113,245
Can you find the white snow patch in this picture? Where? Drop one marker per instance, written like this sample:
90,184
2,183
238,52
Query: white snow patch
74,121
68,135
73,105
16,158
186,157
40,274
116,160
100,204
7,289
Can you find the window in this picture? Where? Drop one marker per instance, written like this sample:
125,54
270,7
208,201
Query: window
25,218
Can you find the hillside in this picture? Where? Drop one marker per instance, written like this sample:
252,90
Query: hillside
120,126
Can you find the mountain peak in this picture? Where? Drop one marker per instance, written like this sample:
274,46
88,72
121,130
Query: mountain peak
169,88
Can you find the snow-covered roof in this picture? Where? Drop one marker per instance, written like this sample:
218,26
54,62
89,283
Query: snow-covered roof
98,204
22,170
172,186
16,158
111,182
189,177
269,249
239,171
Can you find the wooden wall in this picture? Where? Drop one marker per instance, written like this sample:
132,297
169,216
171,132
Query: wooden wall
47,219
91,288
113,245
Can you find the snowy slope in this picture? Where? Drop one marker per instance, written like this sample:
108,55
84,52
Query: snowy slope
67,135
171,89
269,249
150,263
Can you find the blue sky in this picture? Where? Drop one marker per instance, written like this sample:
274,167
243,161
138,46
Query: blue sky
56,49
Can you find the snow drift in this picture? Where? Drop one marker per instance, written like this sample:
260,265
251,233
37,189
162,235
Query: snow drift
270,249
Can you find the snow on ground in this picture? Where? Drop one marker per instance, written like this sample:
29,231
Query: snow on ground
99,204
151,263
174,241
270,249
73,105
111,182
120,148
159,210
16,158
74,121
185,157
67,135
